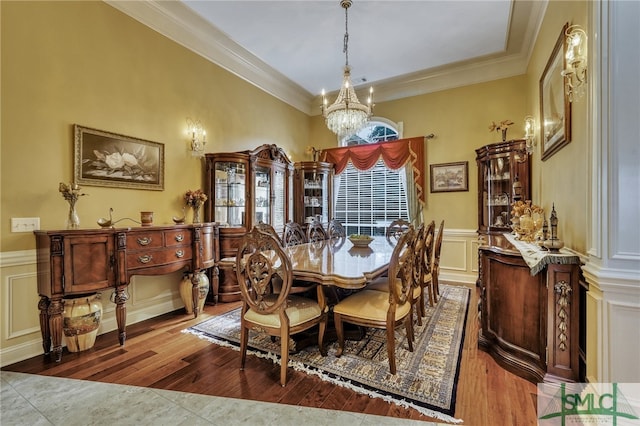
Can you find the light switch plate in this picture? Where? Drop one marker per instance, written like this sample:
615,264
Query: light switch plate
25,224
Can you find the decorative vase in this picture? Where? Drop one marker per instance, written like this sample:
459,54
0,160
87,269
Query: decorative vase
80,321
196,213
186,294
73,221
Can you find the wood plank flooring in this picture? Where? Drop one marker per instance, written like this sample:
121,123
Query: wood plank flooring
158,355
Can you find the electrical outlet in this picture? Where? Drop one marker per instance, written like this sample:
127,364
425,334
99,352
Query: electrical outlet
25,224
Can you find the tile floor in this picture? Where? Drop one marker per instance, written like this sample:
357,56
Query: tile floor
29,399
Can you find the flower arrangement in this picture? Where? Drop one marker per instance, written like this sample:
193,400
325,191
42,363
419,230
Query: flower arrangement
314,152
503,126
195,198
70,192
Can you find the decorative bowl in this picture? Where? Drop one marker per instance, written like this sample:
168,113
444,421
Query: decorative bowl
360,240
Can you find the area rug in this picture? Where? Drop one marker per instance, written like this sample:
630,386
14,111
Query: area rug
426,379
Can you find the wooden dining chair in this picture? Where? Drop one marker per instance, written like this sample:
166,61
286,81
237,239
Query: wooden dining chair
335,230
293,234
316,232
260,258
426,277
435,263
384,310
265,227
416,246
396,229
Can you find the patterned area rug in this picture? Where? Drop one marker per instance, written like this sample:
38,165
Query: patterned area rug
426,379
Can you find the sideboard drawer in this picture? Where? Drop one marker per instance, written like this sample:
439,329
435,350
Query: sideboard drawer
177,238
144,240
148,258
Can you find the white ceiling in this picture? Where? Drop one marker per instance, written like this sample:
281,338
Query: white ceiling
293,49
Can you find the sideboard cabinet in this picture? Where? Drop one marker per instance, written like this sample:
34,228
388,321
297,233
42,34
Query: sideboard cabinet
530,323
313,184
245,188
500,165
82,261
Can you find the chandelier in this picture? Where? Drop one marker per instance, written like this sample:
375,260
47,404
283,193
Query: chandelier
346,116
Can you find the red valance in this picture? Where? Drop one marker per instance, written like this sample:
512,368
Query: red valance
395,155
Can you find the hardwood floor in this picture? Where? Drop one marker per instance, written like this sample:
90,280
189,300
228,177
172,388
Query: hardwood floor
158,355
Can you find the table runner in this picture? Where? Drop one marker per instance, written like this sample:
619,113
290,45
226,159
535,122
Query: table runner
537,258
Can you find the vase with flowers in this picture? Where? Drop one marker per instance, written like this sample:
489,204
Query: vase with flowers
315,153
71,193
195,200
502,127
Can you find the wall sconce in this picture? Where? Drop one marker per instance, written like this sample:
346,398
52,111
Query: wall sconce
198,137
529,133
575,73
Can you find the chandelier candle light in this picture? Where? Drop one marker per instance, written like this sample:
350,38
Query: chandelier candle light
346,115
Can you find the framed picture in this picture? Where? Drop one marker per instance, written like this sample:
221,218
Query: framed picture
555,108
450,177
108,159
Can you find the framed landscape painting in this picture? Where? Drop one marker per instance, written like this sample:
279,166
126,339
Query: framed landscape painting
450,177
108,159
555,108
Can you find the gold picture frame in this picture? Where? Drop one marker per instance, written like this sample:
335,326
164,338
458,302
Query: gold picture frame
103,158
450,177
555,108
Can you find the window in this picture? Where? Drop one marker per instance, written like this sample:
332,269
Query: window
366,202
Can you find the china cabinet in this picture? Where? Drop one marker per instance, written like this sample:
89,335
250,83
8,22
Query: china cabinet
313,182
245,188
504,176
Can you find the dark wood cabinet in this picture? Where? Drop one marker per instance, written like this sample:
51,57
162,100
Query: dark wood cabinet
500,165
529,323
77,262
243,189
313,184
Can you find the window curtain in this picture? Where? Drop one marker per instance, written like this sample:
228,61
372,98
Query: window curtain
395,155
413,204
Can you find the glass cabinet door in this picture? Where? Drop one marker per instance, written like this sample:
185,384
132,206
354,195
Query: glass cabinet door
262,196
316,196
313,188
500,166
498,192
230,192
279,198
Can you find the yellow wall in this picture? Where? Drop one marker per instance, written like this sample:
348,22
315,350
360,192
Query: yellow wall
563,178
87,63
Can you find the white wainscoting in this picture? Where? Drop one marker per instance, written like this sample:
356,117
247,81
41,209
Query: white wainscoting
613,325
150,296
459,257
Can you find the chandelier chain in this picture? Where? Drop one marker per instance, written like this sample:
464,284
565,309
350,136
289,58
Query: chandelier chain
345,48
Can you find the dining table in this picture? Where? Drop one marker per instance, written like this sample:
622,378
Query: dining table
339,263
340,267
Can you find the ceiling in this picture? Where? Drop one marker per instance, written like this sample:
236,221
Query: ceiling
294,49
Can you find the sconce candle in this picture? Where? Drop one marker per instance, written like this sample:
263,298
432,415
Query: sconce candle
198,137
575,73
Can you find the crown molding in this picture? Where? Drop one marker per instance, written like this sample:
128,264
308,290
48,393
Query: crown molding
179,23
